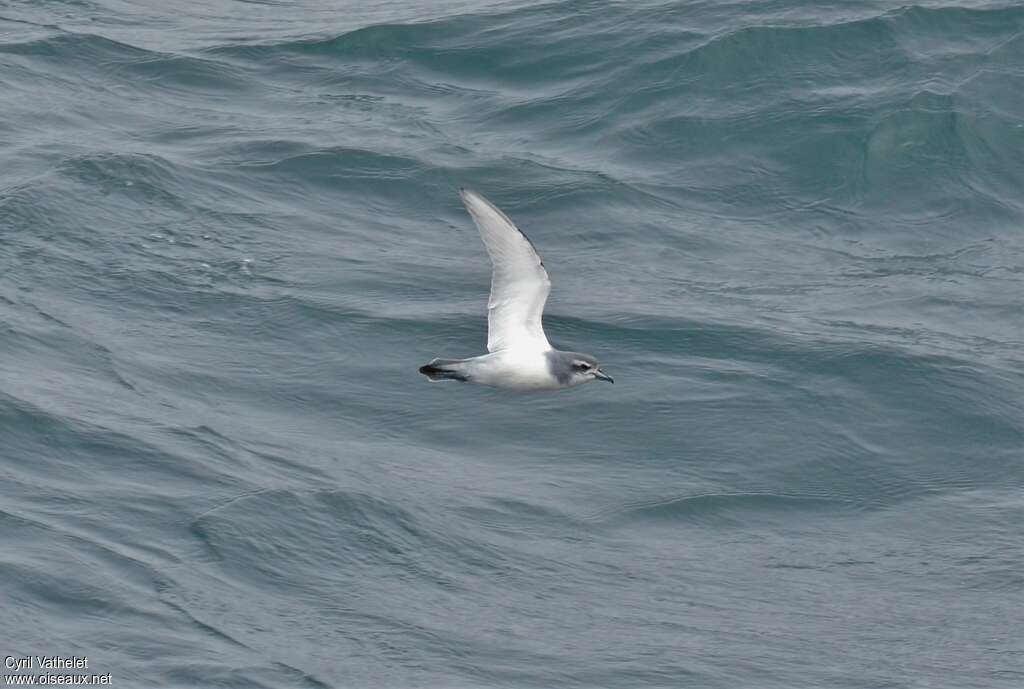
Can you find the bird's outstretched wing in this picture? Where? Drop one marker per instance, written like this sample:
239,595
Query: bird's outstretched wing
519,282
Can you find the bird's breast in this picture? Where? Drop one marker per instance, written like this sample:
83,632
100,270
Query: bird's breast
519,370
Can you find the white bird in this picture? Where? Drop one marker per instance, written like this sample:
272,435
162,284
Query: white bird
520,356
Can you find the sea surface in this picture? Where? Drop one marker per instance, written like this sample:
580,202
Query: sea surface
793,232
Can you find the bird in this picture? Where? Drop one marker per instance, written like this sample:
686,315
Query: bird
519,355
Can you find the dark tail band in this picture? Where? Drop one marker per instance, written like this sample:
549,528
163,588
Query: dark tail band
443,369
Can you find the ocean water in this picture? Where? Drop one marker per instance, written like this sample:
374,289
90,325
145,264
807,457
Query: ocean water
792,232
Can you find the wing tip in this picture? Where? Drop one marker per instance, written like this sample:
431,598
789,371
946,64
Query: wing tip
470,197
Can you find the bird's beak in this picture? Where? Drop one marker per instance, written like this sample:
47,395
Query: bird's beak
601,375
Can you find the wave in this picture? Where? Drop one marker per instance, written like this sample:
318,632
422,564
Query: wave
57,56
726,509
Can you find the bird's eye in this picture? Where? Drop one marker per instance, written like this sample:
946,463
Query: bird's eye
581,366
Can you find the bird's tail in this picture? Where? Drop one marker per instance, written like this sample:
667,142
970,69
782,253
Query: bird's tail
445,369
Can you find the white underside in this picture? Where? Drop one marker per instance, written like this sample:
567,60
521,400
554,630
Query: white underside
516,369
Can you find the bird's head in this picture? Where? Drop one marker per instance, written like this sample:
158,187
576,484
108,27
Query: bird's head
583,368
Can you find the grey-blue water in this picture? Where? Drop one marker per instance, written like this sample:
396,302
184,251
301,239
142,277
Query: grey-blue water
792,232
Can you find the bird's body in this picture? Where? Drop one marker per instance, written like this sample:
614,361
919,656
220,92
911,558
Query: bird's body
520,357
518,369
